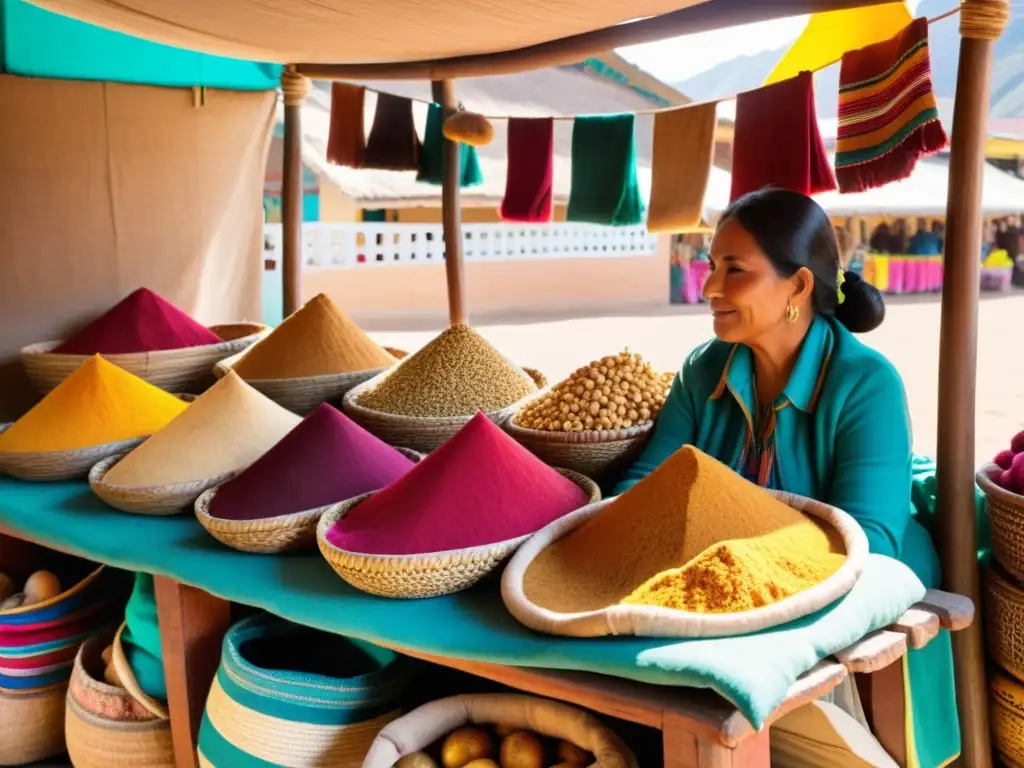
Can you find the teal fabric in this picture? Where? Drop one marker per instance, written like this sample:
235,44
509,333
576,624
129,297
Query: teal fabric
221,753
432,154
753,671
141,638
923,494
37,43
846,441
604,184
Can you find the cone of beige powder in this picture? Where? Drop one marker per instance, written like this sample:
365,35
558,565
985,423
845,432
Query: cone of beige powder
221,433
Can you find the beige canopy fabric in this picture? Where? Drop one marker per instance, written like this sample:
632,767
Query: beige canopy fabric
108,187
356,31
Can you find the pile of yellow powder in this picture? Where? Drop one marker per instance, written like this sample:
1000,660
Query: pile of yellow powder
456,374
98,404
316,340
225,430
693,536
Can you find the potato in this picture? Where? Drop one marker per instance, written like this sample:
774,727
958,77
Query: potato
573,756
522,750
41,586
416,760
7,586
464,745
108,654
485,763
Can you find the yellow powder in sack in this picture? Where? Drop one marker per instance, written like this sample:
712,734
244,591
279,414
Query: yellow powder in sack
225,430
316,340
689,506
97,404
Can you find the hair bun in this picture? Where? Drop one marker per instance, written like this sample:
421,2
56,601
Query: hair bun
863,309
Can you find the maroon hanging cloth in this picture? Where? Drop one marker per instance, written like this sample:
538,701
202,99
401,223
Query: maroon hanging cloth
777,141
531,165
393,144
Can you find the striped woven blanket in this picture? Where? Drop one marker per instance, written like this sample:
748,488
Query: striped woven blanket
888,116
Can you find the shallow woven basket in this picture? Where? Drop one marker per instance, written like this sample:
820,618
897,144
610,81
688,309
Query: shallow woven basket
654,621
1004,621
269,535
593,453
58,465
427,724
105,725
302,395
430,575
1006,697
422,433
174,370
31,724
1006,520
157,500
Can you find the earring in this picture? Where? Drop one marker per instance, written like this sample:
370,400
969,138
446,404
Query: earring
792,313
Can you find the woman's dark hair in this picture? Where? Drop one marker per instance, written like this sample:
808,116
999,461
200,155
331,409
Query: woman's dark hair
794,232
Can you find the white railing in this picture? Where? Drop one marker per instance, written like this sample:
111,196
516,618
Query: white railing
370,244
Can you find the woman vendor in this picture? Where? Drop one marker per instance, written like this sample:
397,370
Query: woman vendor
787,397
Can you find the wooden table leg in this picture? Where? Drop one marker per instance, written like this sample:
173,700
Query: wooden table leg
682,749
192,626
882,695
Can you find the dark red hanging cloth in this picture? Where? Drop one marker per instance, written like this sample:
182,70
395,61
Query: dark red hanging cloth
346,142
530,175
393,144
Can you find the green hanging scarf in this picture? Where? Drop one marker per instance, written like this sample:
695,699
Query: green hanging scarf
604,185
432,154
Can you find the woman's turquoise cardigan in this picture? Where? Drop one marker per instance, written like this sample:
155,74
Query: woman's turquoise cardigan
842,436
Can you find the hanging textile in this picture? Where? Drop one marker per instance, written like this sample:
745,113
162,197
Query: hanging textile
888,115
346,142
393,144
431,165
604,184
777,142
531,169
830,34
684,147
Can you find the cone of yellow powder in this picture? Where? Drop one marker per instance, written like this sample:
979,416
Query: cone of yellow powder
315,356
98,411
691,550
225,430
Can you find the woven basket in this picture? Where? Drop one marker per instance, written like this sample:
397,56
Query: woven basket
269,535
174,370
421,433
290,695
1006,699
1004,621
302,395
1006,520
594,453
32,724
429,575
420,729
655,621
105,725
156,500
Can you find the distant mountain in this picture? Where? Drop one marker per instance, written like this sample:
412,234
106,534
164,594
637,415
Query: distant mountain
748,71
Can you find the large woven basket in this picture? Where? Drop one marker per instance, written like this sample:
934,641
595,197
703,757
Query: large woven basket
290,695
174,370
429,575
268,535
105,725
1004,621
302,395
592,453
421,433
156,500
32,724
44,466
420,729
1006,699
1006,520
654,621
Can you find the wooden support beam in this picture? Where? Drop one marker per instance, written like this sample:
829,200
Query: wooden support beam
451,209
295,88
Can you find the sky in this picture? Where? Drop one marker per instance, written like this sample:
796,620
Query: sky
680,58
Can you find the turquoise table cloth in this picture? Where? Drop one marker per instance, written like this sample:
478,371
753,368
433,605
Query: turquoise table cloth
753,671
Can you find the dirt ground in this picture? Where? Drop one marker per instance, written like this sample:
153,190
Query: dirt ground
909,337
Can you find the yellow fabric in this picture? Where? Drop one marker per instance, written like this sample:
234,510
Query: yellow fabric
830,34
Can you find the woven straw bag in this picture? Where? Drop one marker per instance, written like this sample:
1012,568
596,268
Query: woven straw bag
594,453
303,394
1004,621
654,621
419,729
106,726
421,433
33,724
268,535
1006,520
1006,703
429,575
292,713
156,500
173,370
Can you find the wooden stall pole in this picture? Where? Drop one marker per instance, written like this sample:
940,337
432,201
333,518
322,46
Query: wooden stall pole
451,208
295,88
981,23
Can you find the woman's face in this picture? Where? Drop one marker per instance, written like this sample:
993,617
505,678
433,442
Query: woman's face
748,297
